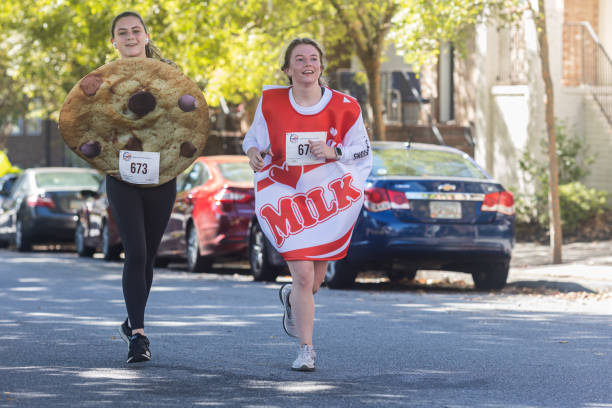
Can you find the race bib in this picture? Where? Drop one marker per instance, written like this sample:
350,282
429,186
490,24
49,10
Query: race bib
298,149
139,167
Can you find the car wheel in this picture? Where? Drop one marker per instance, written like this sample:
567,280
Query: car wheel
340,274
195,261
259,258
22,243
161,262
491,276
110,252
79,242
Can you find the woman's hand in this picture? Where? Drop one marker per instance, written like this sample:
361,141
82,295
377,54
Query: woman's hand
256,160
322,150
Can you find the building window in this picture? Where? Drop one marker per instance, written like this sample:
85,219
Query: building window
17,127
33,127
26,127
512,56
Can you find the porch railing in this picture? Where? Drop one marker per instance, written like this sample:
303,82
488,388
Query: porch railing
586,62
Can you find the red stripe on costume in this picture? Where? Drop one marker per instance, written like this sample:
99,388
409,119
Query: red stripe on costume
312,253
261,184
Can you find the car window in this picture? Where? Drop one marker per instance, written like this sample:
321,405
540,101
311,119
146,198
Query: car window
423,163
102,188
180,179
205,175
67,179
20,187
7,184
192,178
236,171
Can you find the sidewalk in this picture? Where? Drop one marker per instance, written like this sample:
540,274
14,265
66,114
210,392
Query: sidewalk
586,267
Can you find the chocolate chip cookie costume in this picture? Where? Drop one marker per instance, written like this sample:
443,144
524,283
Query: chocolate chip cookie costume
136,104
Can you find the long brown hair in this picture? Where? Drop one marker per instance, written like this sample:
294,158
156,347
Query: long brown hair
150,49
303,40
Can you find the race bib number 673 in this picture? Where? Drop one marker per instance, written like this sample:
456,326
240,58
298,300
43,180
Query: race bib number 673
298,147
139,167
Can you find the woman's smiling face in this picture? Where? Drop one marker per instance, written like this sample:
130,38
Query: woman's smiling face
130,37
304,65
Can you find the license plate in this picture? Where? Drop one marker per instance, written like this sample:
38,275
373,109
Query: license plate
445,209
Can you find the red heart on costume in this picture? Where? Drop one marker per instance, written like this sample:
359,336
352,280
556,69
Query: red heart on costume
288,175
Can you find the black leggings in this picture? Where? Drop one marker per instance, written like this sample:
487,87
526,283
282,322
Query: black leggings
141,214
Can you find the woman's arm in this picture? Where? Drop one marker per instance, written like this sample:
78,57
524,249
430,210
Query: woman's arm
257,135
256,140
356,144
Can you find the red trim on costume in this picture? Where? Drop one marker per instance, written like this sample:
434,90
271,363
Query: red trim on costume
311,253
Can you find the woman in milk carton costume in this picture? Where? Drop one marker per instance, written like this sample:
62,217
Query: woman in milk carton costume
310,151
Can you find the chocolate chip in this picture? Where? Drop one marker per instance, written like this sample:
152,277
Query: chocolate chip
187,149
187,103
90,149
141,103
90,84
134,144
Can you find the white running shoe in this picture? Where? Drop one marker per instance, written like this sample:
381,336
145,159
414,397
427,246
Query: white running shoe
305,360
288,323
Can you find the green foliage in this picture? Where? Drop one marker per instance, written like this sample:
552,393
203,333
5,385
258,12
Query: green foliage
572,154
524,207
578,203
424,25
230,47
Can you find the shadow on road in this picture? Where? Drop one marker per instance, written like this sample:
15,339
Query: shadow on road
563,287
426,282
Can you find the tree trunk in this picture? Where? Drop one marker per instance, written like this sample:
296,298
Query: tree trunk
372,68
556,237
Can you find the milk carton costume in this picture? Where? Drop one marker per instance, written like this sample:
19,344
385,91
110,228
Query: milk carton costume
307,207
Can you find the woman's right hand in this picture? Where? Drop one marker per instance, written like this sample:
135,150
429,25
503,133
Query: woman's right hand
256,160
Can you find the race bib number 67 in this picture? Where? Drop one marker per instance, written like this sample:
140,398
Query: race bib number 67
298,147
139,167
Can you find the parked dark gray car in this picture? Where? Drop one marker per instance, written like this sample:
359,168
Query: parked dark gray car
6,185
42,205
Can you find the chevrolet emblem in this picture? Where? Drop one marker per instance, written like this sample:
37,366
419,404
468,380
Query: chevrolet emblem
447,187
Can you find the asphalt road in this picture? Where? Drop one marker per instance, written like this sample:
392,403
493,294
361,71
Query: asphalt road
217,341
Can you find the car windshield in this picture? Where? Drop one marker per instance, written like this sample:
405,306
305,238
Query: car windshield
67,179
423,163
236,171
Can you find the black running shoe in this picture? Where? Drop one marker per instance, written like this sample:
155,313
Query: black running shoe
125,331
139,349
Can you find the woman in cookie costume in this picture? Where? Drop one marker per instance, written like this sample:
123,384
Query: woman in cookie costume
141,213
310,151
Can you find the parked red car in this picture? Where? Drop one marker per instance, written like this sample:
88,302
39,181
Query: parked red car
214,204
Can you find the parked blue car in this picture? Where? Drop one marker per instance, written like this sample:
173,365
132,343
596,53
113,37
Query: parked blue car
426,207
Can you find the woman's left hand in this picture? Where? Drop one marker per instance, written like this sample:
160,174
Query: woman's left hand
321,150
